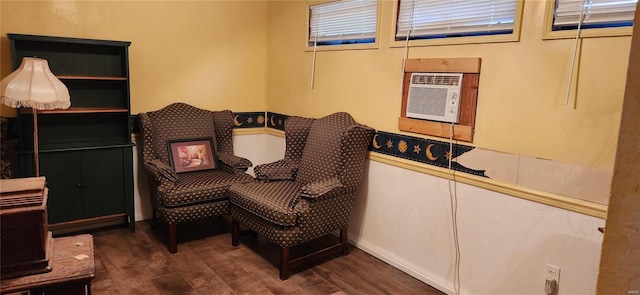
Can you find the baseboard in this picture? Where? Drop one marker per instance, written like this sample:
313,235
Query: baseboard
403,265
87,224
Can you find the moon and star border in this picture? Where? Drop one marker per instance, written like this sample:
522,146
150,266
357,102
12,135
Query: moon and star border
427,151
249,120
422,150
276,121
240,120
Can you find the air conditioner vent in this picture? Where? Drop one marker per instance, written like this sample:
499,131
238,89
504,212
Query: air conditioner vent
435,79
434,96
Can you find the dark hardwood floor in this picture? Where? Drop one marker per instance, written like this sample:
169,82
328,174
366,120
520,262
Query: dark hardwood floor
206,263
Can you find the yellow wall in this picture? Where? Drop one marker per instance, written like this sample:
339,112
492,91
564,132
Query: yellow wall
211,54
217,54
522,86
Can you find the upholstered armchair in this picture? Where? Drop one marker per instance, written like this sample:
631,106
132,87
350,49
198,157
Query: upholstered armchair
310,192
189,196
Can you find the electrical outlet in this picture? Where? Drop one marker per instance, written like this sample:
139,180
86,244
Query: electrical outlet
552,272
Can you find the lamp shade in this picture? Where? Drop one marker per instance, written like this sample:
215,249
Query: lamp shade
34,86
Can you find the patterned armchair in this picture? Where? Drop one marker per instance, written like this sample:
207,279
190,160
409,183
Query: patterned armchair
189,196
310,192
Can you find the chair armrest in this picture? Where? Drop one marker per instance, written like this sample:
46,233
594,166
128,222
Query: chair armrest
234,161
279,170
160,171
317,189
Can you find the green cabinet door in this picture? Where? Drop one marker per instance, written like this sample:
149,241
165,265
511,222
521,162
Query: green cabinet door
64,180
103,182
84,184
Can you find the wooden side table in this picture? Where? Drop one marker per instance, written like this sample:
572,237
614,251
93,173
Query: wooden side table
73,268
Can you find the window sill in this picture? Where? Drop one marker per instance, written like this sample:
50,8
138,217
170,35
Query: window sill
342,47
587,33
513,37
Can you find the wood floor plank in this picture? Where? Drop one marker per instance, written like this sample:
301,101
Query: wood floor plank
346,280
207,264
141,246
368,273
239,280
202,278
103,283
310,281
104,287
402,281
264,272
141,287
172,284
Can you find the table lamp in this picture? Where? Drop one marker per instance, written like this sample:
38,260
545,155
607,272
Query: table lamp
34,86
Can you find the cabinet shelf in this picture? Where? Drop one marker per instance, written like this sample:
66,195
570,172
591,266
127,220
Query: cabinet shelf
56,148
78,111
99,78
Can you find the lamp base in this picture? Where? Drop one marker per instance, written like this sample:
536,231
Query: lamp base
36,156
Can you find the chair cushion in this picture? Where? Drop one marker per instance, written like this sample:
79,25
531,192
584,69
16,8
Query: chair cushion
193,212
272,201
200,187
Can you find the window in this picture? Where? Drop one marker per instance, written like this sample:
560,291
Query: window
343,22
595,14
432,19
599,18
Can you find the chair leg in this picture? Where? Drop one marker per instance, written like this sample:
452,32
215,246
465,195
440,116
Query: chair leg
173,238
154,219
284,264
344,241
235,232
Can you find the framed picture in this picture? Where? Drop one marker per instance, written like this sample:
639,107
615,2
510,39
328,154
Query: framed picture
188,155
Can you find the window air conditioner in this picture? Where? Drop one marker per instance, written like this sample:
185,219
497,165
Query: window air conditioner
434,96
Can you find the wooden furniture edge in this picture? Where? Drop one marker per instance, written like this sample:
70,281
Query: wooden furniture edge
275,132
248,131
87,223
460,132
22,185
467,65
46,280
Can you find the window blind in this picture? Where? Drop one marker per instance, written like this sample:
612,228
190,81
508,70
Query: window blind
598,13
343,21
443,18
